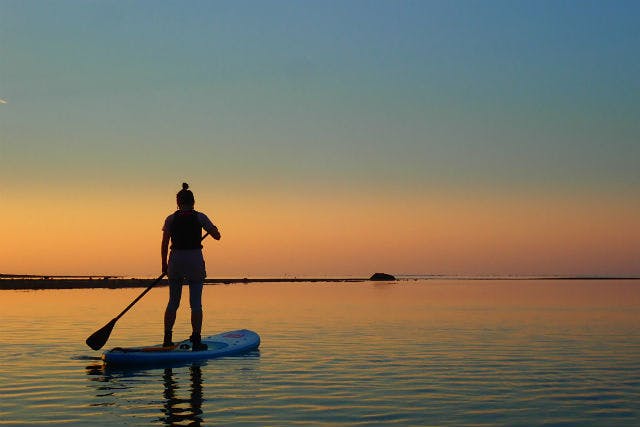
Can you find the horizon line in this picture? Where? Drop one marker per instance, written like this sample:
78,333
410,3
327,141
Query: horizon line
399,276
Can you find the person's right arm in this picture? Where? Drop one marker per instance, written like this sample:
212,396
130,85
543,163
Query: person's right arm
209,227
215,233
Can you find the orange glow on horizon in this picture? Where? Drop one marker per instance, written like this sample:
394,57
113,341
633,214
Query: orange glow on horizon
329,235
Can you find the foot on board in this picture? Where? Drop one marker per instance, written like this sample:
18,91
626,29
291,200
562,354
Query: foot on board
167,340
199,347
197,344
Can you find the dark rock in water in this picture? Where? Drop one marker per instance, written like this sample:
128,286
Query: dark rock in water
382,276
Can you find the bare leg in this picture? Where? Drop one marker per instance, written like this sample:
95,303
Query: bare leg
169,321
196,322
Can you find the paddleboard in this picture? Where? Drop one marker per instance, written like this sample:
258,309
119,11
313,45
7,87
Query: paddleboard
226,344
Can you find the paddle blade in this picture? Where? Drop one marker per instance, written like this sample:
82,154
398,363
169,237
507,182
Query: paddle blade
99,338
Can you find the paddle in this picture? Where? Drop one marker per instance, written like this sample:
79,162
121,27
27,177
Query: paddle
99,338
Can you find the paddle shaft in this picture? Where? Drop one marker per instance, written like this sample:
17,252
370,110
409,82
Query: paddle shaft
155,282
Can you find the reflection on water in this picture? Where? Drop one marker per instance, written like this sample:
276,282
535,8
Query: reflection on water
178,406
182,388
179,410
410,353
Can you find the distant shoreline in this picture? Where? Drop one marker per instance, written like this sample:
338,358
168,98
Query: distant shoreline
110,282
34,282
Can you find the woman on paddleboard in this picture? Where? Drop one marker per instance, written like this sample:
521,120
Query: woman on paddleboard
183,229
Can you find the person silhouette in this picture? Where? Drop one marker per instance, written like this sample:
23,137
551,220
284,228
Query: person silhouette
183,229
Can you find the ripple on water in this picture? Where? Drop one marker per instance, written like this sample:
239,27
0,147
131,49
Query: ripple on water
352,355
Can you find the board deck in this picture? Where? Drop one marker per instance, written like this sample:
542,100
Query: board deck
225,344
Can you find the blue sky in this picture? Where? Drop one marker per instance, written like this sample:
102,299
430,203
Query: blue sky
411,97
463,90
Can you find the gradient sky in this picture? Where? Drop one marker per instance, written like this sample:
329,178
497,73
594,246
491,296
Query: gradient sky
324,138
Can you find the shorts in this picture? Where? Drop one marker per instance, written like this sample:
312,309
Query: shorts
186,266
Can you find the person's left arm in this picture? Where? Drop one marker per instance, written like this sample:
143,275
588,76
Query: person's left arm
164,246
164,250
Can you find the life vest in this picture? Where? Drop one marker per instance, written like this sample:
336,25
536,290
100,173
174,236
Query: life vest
186,231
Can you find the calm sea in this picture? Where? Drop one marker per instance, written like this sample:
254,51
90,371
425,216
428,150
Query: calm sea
423,352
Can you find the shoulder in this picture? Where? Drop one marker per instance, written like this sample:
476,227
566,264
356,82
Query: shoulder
202,217
168,220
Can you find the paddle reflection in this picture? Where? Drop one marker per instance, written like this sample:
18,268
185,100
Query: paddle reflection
181,410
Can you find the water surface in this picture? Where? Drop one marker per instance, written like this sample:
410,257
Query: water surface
425,352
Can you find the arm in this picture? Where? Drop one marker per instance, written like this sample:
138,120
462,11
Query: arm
164,250
209,227
213,230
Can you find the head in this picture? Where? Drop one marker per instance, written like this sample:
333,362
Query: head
185,198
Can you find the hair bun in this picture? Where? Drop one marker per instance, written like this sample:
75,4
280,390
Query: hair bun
185,186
